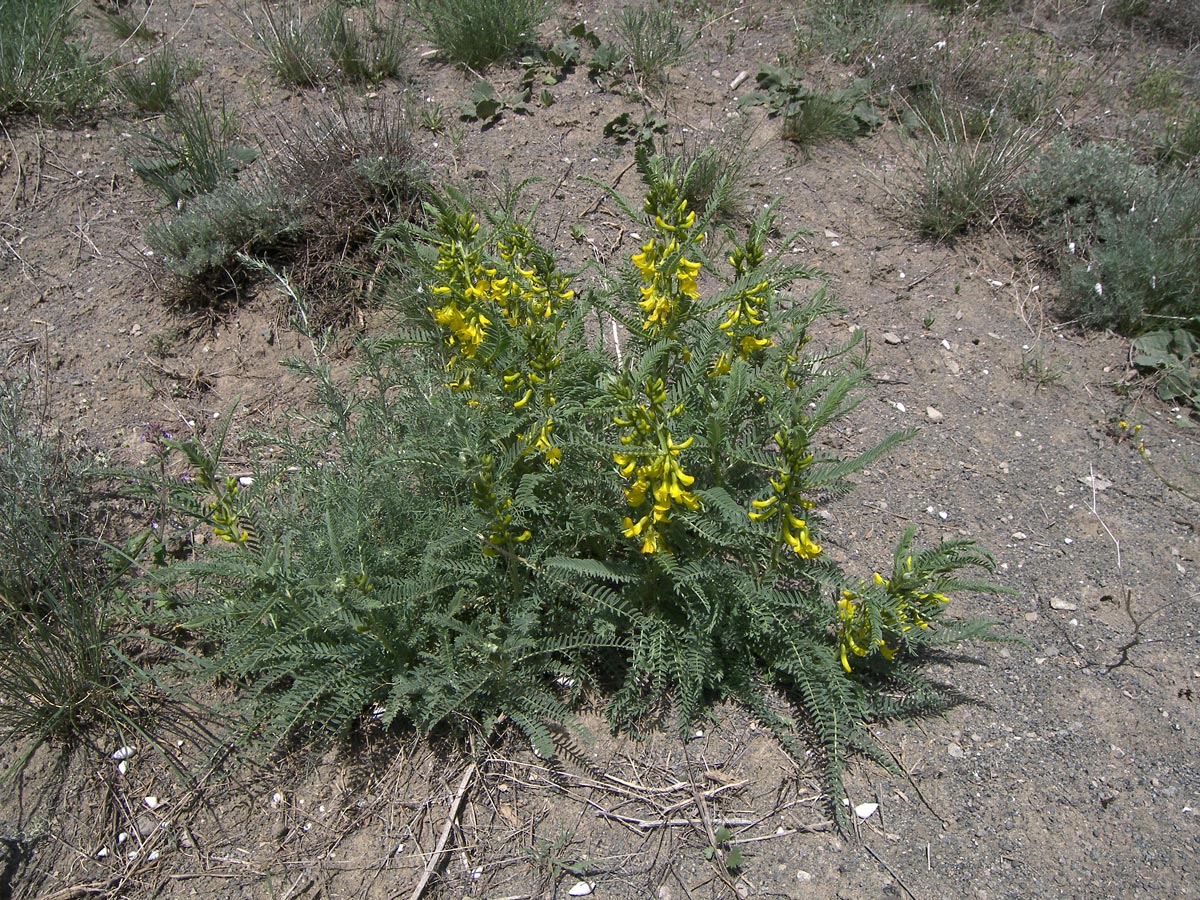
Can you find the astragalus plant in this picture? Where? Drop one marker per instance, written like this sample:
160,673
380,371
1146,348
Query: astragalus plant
502,516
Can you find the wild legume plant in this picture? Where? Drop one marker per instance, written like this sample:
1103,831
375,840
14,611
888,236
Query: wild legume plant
502,516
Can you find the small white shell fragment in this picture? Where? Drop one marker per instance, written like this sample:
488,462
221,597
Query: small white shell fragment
123,766
124,753
581,889
151,802
102,853
153,855
477,873
865,810
122,837
276,799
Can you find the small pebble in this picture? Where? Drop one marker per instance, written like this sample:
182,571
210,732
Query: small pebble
956,751
890,337
933,415
1065,605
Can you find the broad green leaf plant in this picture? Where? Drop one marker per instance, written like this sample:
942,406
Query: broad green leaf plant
505,516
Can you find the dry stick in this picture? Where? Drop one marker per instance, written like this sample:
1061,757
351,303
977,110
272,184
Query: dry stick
943,264
892,872
650,824
596,206
19,181
437,857
911,780
1103,524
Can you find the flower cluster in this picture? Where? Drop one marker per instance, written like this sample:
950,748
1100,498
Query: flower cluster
669,289
786,503
659,483
500,536
462,290
743,326
510,302
221,511
910,607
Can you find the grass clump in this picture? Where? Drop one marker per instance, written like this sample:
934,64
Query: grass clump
151,82
652,39
966,180
819,118
502,517
1180,144
709,178
477,33
332,44
42,71
62,672
195,152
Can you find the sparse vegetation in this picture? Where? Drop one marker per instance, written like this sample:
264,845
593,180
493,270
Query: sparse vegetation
44,66
553,452
150,83
62,673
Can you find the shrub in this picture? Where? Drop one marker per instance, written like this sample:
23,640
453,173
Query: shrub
1077,184
477,33
202,242
502,517
1142,271
41,71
